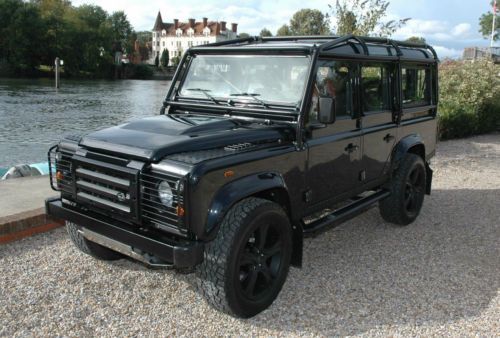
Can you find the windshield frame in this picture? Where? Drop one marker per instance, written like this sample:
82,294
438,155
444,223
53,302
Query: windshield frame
244,101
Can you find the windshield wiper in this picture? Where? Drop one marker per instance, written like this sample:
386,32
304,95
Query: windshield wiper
204,91
253,96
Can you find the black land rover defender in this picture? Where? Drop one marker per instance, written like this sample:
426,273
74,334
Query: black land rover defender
260,142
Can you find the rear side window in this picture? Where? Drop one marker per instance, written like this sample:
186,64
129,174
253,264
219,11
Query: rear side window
415,85
375,88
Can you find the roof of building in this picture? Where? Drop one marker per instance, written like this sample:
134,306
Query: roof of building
198,26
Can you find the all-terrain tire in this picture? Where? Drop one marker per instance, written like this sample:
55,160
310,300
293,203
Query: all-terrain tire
407,189
90,248
221,276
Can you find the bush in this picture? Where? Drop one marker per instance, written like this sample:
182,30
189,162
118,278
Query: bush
468,98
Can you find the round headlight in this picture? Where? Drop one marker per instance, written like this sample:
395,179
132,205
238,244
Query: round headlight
165,193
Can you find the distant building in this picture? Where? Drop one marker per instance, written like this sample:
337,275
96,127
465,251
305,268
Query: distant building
476,53
177,36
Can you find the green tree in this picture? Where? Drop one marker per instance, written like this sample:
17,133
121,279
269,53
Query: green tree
21,35
364,17
265,32
309,22
416,39
486,23
283,31
243,35
157,61
164,58
121,31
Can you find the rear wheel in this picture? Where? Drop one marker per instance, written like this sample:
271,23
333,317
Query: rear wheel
88,247
407,192
245,267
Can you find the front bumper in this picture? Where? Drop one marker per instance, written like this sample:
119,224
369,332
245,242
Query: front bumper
179,255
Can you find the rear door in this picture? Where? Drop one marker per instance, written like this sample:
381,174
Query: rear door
378,117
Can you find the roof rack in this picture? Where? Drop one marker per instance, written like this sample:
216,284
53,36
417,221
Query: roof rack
330,41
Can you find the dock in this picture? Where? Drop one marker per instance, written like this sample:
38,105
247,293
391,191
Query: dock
23,212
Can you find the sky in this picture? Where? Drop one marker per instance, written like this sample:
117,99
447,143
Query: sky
448,25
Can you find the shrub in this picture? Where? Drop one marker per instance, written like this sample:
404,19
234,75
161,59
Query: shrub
468,98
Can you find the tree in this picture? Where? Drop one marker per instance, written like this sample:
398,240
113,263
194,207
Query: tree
283,31
121,31
309,22
416,39
265,32
363,17
164,58
243,35
486,23
157,61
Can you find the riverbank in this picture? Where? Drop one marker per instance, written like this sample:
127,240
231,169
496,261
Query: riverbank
22,208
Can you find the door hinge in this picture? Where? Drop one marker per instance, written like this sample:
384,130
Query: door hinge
308,196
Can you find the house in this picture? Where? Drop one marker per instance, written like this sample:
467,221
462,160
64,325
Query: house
177,37
485,53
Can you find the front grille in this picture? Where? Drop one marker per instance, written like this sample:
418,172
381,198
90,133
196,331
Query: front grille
105,186
155,213
60,170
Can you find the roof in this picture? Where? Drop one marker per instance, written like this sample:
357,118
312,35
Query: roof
349,46
199,26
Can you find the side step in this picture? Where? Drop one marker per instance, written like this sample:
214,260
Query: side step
343,214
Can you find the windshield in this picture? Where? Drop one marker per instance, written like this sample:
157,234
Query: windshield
261,79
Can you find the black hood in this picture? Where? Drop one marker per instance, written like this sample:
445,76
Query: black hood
156,137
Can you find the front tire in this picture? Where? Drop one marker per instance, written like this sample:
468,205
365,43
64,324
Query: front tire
90,248
246,265
407,189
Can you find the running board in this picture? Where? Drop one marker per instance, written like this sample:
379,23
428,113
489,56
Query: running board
343,214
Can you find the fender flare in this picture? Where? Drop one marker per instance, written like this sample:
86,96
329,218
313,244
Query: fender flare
403,146
244,187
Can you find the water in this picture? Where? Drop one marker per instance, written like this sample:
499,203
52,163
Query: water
34,116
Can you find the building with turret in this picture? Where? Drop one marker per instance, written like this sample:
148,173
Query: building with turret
177,37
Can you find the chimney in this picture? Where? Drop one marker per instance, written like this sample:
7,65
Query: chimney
176,23
223,26
217,29
234,27
205,22
191,23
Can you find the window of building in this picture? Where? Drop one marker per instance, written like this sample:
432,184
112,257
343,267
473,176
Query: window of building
415,86
375,89
163,43
333,79
178,44
158,43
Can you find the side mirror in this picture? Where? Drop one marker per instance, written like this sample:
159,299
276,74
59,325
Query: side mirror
326,109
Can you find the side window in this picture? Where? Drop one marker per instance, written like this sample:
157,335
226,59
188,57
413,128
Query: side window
415,86
333,79
375,87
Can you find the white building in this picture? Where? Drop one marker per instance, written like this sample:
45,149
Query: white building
177,36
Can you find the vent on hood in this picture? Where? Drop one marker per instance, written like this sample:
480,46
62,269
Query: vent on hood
239,147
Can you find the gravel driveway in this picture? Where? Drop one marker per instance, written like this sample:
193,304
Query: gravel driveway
438,276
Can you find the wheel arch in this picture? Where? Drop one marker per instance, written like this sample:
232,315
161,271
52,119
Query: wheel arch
268,185
413,144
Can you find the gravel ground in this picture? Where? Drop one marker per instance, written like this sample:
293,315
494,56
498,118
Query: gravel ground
437,277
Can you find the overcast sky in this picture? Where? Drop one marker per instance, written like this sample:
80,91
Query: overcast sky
449,25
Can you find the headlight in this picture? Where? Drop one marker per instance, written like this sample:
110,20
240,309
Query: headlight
165,193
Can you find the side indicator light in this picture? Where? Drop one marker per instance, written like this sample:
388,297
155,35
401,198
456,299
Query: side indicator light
180,211
59,176
228,173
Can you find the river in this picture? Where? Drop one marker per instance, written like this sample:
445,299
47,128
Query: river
34,115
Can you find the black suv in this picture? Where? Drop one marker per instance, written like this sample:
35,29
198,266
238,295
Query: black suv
260,142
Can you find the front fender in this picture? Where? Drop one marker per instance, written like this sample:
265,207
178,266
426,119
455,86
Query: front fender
235,191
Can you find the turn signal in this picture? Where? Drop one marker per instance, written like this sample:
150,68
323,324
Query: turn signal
228,173
180,211
59,176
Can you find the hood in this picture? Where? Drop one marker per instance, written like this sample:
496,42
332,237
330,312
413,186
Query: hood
156,137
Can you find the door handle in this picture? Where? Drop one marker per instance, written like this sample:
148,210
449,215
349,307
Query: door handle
388,138
351,147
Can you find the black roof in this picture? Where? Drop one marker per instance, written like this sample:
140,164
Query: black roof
348,46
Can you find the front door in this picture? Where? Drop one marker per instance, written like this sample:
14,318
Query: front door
334,150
